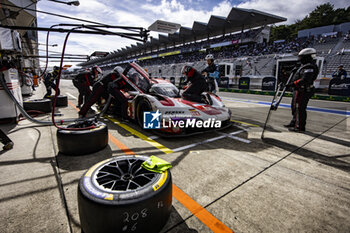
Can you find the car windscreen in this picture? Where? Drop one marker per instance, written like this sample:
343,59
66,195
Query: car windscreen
166,89
140,81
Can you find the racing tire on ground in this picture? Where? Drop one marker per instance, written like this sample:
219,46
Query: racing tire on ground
85,141
118,195
61,101
143,106
42,105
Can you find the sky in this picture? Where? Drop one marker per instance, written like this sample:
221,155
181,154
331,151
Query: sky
142,13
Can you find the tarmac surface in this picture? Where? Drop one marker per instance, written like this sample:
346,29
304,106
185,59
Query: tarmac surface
224,181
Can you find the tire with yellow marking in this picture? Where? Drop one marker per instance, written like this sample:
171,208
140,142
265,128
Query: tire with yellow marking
118,195
85,141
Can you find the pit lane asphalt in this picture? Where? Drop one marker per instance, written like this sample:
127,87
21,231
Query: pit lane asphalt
245,183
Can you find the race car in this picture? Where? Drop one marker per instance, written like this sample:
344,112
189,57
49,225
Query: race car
156,104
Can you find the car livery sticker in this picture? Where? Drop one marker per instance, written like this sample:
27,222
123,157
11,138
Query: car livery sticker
161,181
201,107
93,191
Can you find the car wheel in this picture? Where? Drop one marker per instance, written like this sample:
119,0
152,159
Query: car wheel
61,101
143,106
118,195
42,105
85,141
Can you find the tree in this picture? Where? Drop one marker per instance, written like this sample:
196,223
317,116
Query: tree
322,15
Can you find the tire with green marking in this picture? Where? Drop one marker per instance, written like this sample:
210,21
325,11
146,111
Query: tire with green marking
118,195
85,141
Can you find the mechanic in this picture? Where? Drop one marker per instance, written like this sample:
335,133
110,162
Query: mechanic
212,73
197,87
100,89
83,81
118,89
340,73
50,82
8,144
303,88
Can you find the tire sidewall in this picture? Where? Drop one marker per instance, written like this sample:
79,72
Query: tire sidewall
81,142
149,208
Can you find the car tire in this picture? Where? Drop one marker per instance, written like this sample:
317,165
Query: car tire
61,101
118,195
85,141
42,105
143,106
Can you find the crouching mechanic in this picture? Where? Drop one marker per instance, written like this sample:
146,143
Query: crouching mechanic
100,89
83,81
196,87
303,88
212,73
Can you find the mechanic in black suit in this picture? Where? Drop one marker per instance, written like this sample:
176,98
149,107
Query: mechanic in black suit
197,87
303,88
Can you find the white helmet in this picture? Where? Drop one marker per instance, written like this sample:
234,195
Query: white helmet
209,57
308,52
118,69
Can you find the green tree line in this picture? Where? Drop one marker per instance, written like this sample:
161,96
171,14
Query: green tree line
322,15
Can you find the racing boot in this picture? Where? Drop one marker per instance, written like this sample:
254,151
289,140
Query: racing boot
290,125
8,146
296,129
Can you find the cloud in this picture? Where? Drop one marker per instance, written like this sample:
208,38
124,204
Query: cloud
142,13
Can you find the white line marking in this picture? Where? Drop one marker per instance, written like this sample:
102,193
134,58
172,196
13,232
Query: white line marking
153,137
238,138
206,141
72,96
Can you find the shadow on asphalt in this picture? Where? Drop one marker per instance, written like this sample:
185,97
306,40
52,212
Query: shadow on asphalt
329,161
82,162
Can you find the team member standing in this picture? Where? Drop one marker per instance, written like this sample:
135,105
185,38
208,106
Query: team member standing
303,88
212,73
197,87
50,82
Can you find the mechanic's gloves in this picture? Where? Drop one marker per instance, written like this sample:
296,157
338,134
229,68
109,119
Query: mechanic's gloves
156,164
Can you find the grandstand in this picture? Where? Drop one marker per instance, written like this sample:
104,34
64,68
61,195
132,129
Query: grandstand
247,47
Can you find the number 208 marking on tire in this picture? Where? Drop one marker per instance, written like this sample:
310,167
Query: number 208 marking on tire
133,217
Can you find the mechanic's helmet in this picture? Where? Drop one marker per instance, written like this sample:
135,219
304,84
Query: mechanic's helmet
118,69
96,69
56,68
187,71
307,55
340,66
209,57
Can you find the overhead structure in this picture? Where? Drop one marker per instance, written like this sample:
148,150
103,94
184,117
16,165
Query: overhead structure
238,19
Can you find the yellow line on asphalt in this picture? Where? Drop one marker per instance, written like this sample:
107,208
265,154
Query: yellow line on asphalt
140,135
244,123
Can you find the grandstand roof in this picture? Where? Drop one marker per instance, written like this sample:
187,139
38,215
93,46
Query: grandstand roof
237,20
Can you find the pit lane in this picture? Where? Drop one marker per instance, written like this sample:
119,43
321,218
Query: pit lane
237,177
227,180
